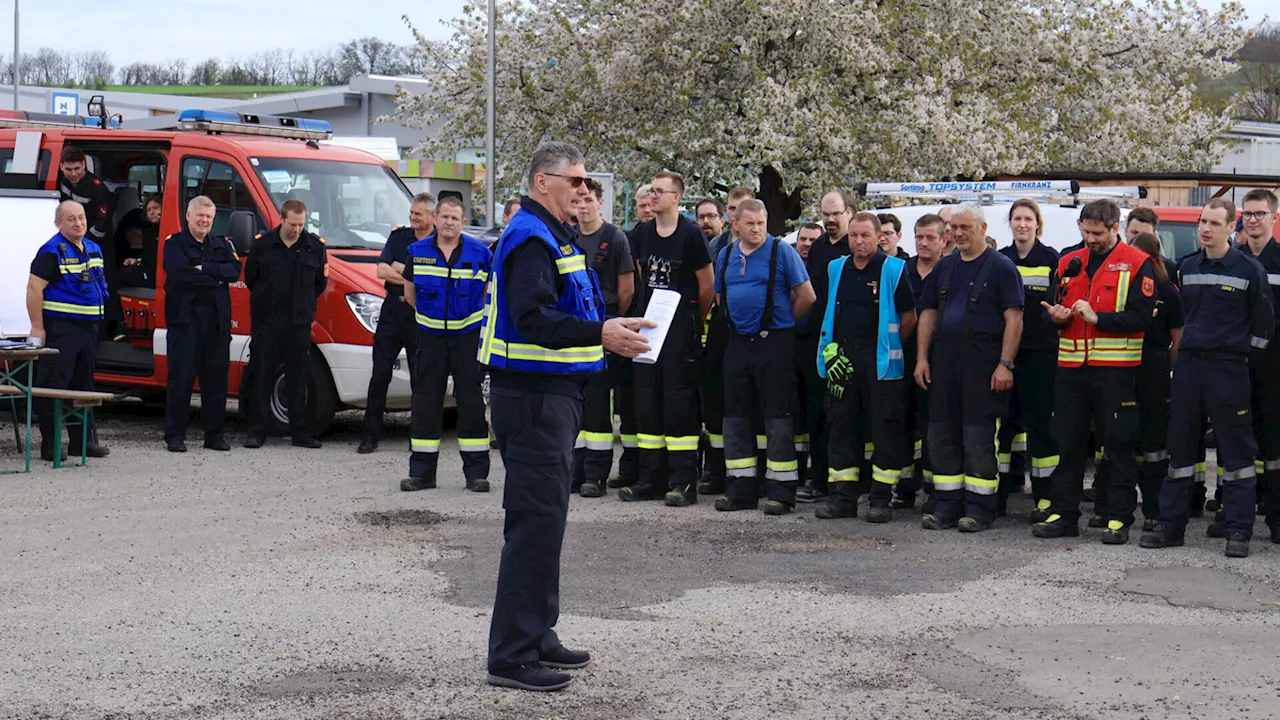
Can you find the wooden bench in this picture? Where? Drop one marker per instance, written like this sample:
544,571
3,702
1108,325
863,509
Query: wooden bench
68,405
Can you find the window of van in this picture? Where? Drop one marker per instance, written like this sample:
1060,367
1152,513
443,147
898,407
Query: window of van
223,185
350,205
22,181
1178,239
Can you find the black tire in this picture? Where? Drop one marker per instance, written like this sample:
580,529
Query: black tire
322,397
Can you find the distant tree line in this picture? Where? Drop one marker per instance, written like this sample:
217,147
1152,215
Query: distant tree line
280,67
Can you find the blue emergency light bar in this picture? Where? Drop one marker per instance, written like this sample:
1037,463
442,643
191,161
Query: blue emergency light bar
221,121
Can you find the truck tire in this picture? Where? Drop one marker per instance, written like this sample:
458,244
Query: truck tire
322,397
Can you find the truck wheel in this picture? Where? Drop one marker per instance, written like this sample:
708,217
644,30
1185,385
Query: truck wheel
322,397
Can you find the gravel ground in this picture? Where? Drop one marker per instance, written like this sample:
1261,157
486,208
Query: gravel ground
288,583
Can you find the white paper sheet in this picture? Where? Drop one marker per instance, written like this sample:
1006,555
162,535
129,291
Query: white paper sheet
662,310
26,223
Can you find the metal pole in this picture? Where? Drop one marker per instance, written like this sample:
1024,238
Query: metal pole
15,54
491,167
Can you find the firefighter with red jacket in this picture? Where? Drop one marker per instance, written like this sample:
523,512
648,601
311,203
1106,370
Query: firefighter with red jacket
1107,293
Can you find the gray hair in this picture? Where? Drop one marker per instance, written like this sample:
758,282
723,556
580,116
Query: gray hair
972,210
552,156
749,205
200,201
425,198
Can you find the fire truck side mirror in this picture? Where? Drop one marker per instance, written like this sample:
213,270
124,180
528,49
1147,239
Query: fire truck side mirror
241,230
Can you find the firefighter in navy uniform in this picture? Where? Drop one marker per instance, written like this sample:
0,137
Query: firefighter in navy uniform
198,266
869,312
1229,317
286,272
397,325
762,287
918,477
1258,212
1031,404
76,183
544,334
972,303
66,294
1107,298
447,273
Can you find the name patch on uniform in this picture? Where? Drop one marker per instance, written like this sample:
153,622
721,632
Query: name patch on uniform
425,260
1148,287
566,250
1118,267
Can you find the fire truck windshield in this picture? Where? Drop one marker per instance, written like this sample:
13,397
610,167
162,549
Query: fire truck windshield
350,205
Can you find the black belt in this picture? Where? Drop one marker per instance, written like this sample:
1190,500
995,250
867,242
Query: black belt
1216,355
765,333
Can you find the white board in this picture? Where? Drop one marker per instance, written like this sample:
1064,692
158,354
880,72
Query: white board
26,223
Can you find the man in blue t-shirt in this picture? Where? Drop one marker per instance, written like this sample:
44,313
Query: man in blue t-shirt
971,315
763,287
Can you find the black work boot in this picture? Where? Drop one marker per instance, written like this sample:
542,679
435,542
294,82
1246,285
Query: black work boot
1164,535
904,501
413,484
1056,526
972,525
638,492
935,522
879,515
1237,545
480,486
1117,533
681,497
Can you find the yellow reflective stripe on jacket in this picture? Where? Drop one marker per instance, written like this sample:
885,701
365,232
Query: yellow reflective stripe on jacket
72,308
444,271
79,267
573,263
537,353
435,324
1035,277
1122,291
682,442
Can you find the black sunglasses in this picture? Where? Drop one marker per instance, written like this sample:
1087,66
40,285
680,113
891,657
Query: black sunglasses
574,180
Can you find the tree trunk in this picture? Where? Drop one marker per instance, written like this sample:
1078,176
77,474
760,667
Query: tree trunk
781,205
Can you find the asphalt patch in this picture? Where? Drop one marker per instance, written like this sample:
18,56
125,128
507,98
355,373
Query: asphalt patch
403,517
1201,587
610,569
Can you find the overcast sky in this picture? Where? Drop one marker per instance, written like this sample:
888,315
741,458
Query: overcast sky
154,30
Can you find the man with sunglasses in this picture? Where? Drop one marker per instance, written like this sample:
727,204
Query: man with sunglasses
543,335
66,298
672,255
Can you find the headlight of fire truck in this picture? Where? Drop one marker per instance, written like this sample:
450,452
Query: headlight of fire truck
367,308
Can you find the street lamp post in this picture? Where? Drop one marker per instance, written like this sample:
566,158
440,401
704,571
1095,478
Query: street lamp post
491,167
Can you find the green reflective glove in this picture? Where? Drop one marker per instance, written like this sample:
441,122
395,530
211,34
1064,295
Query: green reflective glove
839,369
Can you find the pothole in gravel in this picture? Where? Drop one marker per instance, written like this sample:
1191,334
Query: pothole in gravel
404,517
330,682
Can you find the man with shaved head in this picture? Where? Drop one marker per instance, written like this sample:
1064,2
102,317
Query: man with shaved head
66,299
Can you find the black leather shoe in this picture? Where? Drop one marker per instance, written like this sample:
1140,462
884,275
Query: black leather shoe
878,515
532,677
972,525
619,482
592,490
831,511
1117,533
562,658
47,454
413,484
175,445
1097,522
681,497
1163,536
1040,512
724,504
218,443
1216,529
1237,545
775,507
638,493
1149,524
1056,526
307,442
479,486
253,442
933,522
367,446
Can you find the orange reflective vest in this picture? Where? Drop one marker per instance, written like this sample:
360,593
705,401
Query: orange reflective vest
1081,343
